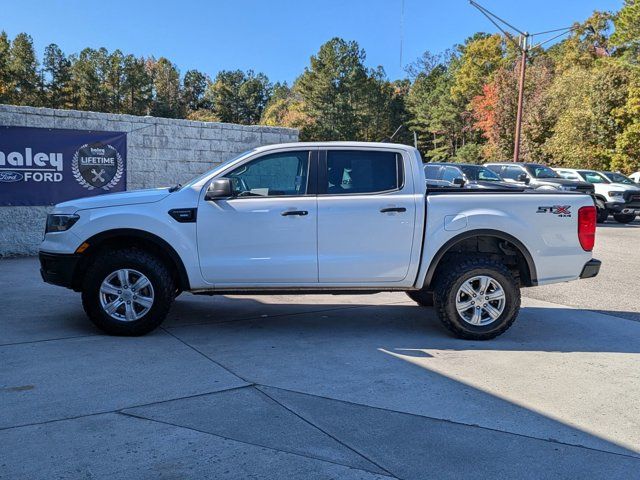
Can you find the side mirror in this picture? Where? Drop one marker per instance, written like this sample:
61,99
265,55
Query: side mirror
458,182
523,177
219,188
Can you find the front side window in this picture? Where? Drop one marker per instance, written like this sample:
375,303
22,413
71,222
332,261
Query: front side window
540,171
353,171
619,178
274,175
593,177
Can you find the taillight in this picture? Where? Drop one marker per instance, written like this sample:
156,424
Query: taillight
587,227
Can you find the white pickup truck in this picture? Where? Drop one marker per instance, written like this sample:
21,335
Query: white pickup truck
342,217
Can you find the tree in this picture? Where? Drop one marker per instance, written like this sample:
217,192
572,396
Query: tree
194,86
480,57
5,73
627,29
238,97
137,86
627,148
166,85
85,81
58,68
23,69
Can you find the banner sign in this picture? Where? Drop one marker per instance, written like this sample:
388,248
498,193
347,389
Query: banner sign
43,166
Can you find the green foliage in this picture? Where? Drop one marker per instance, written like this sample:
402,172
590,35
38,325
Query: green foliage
238,97
24,83
627,33
469,153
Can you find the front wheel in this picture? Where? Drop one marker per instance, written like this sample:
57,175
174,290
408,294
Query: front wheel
127,292
477,298
624,217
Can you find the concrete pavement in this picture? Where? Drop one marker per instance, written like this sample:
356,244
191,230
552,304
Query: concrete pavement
312,387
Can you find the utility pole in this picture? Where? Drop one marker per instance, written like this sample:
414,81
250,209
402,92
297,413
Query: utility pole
524,45
523,71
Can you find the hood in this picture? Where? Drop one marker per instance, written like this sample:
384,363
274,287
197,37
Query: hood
623,186
134,197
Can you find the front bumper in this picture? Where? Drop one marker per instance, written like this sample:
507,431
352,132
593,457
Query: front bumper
58,268
591,268
625,208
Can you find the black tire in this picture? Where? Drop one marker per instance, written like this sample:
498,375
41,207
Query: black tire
624,218
451,278
603,213
421,297
156,272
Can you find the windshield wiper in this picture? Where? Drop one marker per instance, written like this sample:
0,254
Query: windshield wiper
175,188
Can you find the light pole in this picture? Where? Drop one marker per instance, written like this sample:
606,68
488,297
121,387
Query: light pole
524,45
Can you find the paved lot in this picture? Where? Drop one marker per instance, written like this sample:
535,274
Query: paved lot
324,387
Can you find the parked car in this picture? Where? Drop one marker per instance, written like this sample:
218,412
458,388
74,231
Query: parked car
278,219
618,198
463,175
541,178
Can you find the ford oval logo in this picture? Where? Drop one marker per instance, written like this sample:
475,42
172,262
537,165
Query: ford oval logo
11,176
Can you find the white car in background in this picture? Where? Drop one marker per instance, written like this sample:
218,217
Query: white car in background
635,177
614,196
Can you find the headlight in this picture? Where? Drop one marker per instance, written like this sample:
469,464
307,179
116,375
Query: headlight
616,194
59,222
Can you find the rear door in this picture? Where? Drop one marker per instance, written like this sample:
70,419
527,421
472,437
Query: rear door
366,216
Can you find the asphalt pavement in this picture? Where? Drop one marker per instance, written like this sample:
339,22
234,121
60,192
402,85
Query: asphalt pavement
355,387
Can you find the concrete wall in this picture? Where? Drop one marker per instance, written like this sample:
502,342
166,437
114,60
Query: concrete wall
160,152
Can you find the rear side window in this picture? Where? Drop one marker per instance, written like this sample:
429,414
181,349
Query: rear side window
353,171
450,174
431,171
512,173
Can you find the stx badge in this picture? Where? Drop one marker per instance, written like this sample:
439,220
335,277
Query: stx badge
559,210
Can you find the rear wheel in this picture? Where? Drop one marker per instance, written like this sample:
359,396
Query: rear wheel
127,292
624,218
477,298
603,213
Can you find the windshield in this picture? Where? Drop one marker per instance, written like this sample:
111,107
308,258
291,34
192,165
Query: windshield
619,178
540,171
593,177
477,172
195,180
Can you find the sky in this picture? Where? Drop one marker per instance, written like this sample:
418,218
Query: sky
276,37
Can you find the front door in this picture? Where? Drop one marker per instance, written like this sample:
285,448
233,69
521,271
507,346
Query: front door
366,217
265,233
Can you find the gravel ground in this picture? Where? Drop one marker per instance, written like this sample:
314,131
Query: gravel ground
616,289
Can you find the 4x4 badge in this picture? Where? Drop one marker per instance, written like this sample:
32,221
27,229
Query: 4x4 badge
560,210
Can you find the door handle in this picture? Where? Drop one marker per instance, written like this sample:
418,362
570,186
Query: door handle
393,209
301,213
